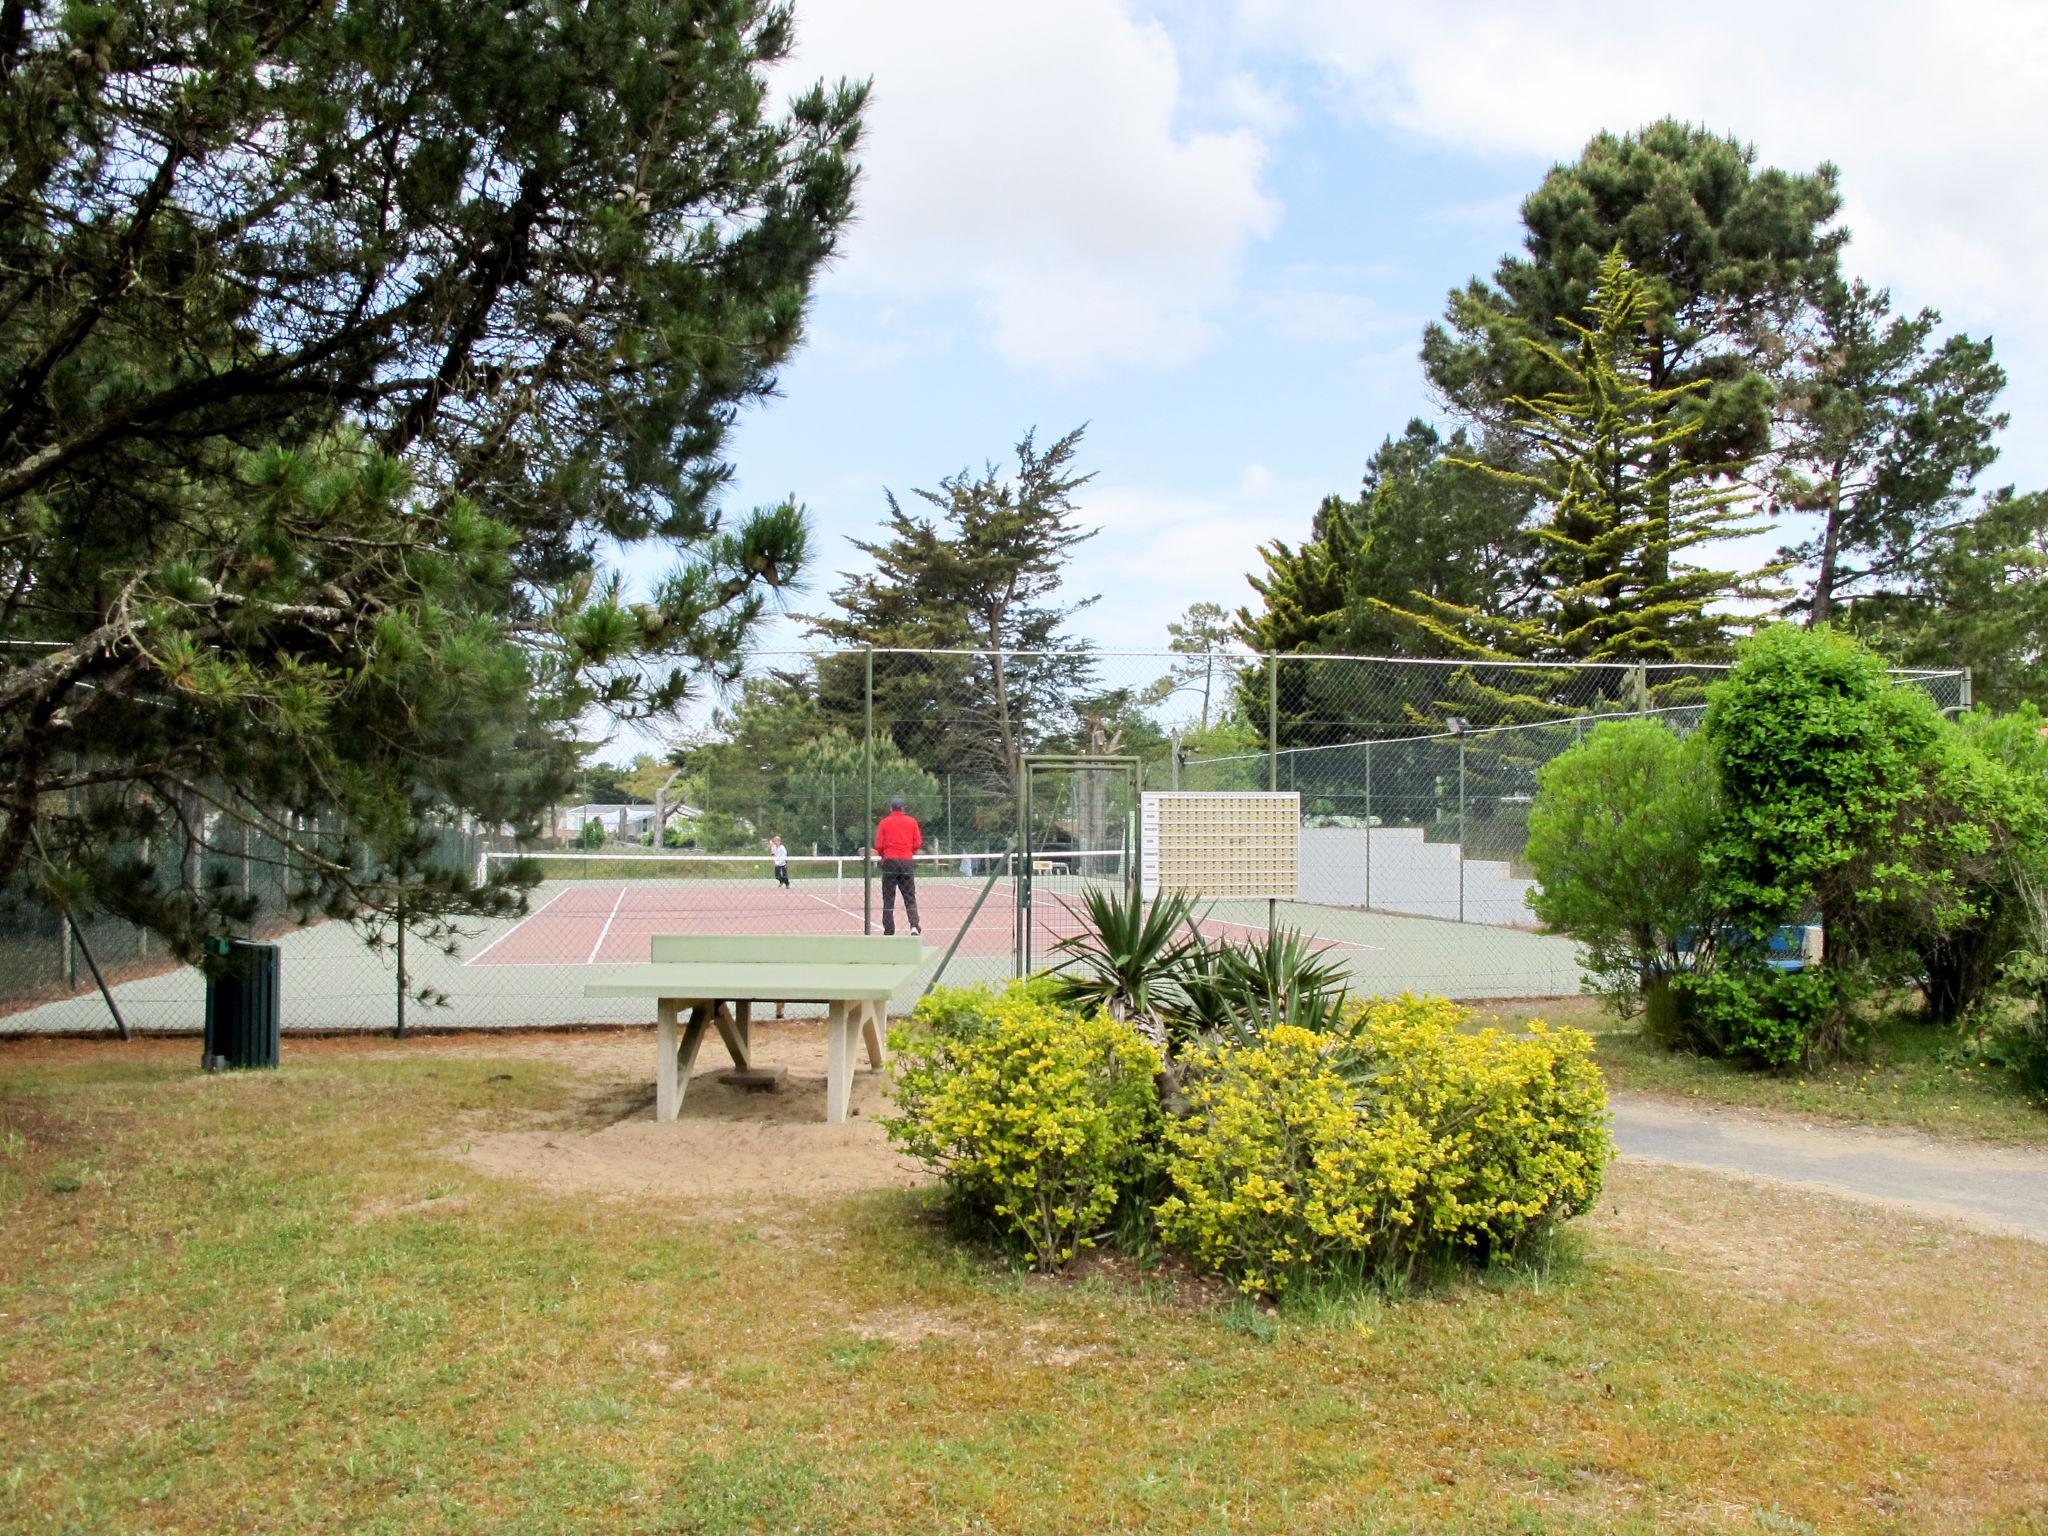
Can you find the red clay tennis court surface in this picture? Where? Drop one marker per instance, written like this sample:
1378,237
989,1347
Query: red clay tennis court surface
609,922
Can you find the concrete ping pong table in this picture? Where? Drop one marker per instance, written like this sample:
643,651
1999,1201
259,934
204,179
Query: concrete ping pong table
719,978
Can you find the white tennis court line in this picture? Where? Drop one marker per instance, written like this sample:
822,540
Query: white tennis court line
827,902
501,938
1314,938
607,928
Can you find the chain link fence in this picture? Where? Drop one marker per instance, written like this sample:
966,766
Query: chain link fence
1415,780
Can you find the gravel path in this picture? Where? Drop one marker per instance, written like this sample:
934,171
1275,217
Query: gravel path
1992,1188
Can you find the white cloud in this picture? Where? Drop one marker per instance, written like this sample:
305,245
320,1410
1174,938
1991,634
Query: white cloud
1033,157
1935,113
1162,550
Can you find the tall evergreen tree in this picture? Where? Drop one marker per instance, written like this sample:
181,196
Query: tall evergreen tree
1977,597
1426,526
1425,523
1628,509
336,344
1727,252
1201,634
983,576
1884,437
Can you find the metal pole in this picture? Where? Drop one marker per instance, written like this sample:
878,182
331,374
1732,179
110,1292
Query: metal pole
994,874
1020,850
78,938
867,861
1024,870
1368,824
1461,827
950,844
1173,769
1273,722
399,1032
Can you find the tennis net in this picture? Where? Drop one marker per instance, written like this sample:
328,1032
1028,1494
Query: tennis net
720,876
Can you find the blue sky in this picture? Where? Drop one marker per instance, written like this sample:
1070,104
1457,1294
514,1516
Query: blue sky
1214,232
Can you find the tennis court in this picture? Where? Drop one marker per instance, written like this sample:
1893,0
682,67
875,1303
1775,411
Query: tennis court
524,972
602,910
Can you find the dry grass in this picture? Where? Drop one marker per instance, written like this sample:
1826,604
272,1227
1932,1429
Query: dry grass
283,1303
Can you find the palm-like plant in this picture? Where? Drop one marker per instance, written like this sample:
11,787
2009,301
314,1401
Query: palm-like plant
1282,978
1127,958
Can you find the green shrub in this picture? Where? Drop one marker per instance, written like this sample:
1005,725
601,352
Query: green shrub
1037,1120
967,1013
1616,838
1989,816
1398,1142
1777,1019
1824,768
592,835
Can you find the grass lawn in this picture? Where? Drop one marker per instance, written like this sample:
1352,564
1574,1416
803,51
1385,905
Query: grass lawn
286,1302
1900,1077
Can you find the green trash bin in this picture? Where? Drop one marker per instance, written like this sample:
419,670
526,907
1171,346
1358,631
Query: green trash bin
242,1019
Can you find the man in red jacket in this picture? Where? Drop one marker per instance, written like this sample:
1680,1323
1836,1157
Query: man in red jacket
897,839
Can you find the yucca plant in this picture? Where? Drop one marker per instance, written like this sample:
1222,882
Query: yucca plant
1127,958
1277,978
1208,1006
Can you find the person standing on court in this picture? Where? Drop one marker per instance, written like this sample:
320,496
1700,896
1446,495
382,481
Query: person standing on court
780,855
897,839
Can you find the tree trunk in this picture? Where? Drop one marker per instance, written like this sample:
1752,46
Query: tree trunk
1830,558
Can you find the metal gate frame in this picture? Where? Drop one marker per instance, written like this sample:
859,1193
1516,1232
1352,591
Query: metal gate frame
1133,770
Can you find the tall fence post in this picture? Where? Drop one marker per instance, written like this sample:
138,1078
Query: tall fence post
1639,680
1368,824
1461,826
399,1032
1273,721
867,853
1969,697
1272,759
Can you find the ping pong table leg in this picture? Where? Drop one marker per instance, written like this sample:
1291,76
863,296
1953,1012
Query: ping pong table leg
733,1025
668,1096
693,1040
839,1025
873,1021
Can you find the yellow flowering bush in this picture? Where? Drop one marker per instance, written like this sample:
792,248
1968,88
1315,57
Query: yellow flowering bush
1400,1140
1036,1119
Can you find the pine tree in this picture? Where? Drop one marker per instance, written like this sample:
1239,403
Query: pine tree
1728,249
1627,509
982,578
1884,437
338,344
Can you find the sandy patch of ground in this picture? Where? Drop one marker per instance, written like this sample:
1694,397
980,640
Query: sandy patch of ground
727,1140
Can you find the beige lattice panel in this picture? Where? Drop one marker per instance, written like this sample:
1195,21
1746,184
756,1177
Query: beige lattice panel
1222,845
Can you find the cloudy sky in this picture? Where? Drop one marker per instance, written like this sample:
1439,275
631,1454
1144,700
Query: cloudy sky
1214,231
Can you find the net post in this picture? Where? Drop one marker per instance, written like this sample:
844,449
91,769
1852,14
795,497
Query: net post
867,852
1368,826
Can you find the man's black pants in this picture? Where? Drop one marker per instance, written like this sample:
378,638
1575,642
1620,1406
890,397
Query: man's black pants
899,875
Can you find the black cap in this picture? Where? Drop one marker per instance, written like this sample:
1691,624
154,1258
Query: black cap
896,803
